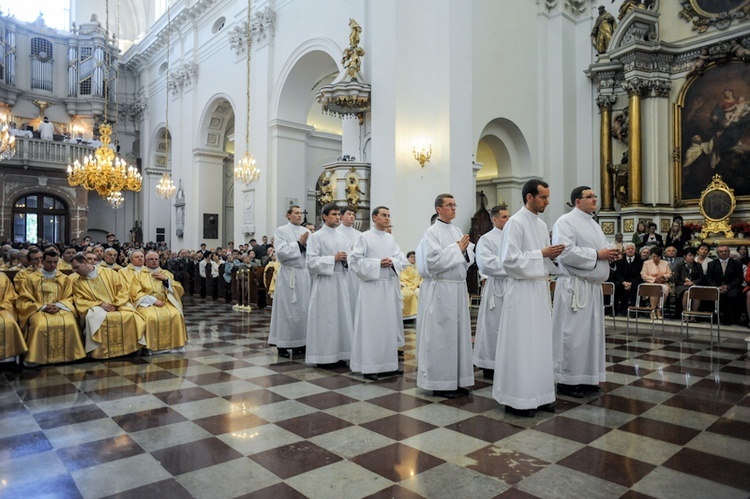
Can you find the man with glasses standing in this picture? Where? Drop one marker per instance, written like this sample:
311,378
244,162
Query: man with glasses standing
444,352
578,314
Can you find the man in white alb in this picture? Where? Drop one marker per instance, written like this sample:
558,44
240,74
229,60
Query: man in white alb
329,320
493,292
378,324
524,375
352,235
291,298
444,334
578,314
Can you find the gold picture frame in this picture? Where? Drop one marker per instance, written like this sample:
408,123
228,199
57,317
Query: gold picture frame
717,203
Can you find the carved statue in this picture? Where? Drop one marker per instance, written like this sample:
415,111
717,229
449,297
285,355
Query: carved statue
736,49
627,6
619,174
620,126
354,35
604,26
353,191
326,190
352,56
700,63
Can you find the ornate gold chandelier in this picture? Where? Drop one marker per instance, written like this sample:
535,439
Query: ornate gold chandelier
7,141
246,170
105,172
166,187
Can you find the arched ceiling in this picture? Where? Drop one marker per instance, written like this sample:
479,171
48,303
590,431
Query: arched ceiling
136,16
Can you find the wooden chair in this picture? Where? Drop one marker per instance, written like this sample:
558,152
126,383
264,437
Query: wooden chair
608,289
704,294
647,291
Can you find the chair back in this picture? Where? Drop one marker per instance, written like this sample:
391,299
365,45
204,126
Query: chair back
704,294
650,290
608,288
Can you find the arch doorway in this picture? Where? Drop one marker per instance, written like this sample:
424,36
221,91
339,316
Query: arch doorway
40,217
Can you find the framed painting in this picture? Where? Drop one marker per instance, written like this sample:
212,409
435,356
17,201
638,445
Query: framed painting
210,226
713,8
712,132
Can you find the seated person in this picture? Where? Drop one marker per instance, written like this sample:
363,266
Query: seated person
13,343
137,259
645,253
670,255
687,273
726,274
158,298
101,296
627,277
410,282
45,307
110,259
34,261
656,271
68,253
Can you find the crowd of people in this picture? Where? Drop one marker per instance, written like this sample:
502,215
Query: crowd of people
340,296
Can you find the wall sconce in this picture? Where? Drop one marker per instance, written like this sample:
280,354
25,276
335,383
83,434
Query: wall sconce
423,155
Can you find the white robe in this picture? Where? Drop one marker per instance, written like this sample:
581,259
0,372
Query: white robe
352,235
46,130
291,298
493,292
419,256
329,320
524,377
444,350
578,314
377,321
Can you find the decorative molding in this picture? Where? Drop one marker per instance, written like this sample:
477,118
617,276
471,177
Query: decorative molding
702,21
137,108
636,86
606,100
184,76
238,38
575,7
264,25
648,87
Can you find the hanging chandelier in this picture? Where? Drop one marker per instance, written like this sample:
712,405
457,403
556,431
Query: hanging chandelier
105,172
166,187
247,171
115,199
7,141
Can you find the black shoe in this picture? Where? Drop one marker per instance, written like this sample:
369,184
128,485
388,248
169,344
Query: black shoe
371,376
299,350
397,372
463,390
282,352
588,388
526,413
400,353
546,408
332,365
488,373
449,394
569,390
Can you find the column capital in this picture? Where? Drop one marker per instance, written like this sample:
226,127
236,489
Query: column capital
606,101
636,86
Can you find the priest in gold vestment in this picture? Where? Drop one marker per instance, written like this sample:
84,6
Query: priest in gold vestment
410,282
135,266
158,298
11,339
47,315
35,261
113,328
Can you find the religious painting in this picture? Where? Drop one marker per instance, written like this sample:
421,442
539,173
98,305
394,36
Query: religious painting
713,135
210,226
716,7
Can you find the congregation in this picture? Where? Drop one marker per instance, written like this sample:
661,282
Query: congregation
340,297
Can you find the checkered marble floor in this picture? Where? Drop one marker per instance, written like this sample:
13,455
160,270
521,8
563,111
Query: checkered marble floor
231,419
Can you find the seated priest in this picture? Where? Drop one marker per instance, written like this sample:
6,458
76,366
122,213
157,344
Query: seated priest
410,282
110,259
48,316
11,339
68,253
158,298
136,265
34,258
113,328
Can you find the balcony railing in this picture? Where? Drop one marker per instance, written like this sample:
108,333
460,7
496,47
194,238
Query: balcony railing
47,154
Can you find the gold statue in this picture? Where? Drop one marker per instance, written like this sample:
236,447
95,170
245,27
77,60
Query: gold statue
326,190
604,26
353,191
352,57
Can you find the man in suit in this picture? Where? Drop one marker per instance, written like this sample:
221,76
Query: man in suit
670,255
627,277
726,274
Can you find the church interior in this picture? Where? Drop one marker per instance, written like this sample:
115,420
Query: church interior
218,115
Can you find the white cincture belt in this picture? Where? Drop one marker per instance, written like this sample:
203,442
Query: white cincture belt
493,290
581,292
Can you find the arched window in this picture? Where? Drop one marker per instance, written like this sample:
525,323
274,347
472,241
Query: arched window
40,217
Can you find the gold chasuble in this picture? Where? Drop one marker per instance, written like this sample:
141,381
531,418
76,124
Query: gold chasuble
52,337
63,265
11,339
410,282
108,334
128,272
165,325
